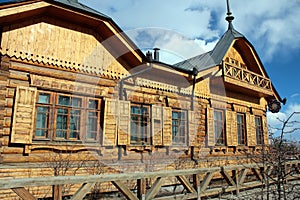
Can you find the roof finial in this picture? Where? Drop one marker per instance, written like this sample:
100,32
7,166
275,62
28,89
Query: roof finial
229,17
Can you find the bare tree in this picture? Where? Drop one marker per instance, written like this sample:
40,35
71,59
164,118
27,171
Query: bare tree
276,157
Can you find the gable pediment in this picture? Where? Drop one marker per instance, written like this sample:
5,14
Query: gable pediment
243,70
60,44
242,55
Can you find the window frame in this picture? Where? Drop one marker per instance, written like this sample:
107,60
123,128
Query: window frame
49,128
182,137
259,133
70,108
98,119
219,124
241,129
82,118
147,135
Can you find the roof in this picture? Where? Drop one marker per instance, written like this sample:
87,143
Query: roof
70,3
214,57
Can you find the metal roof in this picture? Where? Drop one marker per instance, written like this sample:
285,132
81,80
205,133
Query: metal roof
214,57
74,4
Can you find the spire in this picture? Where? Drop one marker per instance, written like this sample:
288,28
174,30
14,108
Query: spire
229,17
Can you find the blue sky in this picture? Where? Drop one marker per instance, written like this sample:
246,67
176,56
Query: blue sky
177,26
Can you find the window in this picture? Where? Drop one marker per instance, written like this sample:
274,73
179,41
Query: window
241,129
93,119
219,127
61,117
43,116
140,125
68,117
259,130
179,127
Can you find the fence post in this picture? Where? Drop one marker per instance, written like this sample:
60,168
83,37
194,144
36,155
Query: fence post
57,192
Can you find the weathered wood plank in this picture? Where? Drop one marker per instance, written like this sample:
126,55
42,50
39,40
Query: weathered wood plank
183,180
206,180
228,178
242,176
124,190
57,192
154,189
257,173
82,191
23,193
141,188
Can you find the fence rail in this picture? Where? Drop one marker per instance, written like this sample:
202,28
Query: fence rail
196,182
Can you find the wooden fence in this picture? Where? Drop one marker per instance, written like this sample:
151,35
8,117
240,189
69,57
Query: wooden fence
197,183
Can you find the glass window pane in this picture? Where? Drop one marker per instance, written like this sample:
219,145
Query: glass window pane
44,98
41,120
40,133
92,124
175,115
75,123
93,104
61,122
62,111
73,135
134,110
61,134
64,100
76,102
239,119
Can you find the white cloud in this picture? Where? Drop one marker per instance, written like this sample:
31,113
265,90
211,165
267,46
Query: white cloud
174,47
292,114
270,24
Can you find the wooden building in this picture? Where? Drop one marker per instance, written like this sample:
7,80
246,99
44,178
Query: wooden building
72,84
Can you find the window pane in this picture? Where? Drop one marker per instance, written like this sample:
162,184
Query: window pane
139,125
64,100
44,98
42,123
42,120
219,127
92,125
259,131
61,134
93,104
179,127
40,133
61,123
239,119
76,102
74,124
62,111
73,135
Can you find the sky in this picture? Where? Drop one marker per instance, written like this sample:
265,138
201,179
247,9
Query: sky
177,26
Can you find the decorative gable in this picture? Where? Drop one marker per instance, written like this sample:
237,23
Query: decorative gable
242,69
60,44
